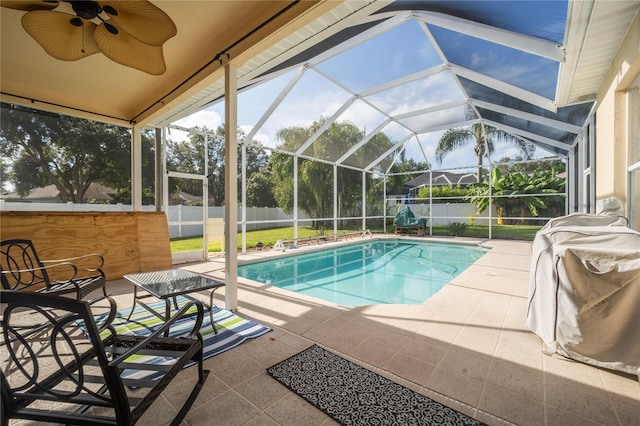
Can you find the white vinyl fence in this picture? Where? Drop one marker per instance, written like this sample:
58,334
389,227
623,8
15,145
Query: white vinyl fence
186,221
442,214
181,219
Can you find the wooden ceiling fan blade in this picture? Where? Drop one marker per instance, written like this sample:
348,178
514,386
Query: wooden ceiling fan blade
141,19
58,37
127,50
30,5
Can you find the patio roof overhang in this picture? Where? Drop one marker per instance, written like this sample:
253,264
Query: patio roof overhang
563,50
96,87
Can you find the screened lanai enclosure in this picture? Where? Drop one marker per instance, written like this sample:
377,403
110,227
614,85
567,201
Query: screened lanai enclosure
353,119
303,121
450,107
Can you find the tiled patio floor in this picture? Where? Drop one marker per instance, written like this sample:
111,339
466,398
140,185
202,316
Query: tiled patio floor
466,347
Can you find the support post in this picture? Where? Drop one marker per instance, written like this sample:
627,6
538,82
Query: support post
335,199
384,205
165,174
244,197
364,200
159,169
136,169
295,199
231,187
205,200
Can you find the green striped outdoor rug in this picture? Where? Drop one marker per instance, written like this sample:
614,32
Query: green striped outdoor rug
232,329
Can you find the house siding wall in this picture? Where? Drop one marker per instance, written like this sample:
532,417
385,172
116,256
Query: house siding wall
613,120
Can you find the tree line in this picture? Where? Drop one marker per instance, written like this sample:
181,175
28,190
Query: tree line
40,148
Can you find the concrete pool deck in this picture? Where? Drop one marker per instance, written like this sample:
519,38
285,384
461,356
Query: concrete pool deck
466,347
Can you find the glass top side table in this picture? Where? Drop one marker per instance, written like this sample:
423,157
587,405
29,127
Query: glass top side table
166,285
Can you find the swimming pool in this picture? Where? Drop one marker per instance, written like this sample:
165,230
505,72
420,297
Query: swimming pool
374,272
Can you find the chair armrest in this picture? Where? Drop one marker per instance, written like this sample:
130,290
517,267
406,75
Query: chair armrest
161,330
16,273
98,258
113,310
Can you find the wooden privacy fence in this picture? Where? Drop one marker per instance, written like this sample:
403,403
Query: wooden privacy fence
129,241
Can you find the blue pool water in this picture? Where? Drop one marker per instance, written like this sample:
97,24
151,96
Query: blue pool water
377,272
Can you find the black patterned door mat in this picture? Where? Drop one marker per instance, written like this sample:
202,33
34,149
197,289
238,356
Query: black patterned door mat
353,395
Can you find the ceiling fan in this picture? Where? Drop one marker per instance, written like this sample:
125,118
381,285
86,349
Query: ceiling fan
130,33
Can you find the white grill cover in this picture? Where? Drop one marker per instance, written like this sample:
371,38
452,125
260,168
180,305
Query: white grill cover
584,290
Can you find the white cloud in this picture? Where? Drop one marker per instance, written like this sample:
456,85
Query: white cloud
396,64
262,138
209,118
363,116
418,94
302,109
477,60
245,128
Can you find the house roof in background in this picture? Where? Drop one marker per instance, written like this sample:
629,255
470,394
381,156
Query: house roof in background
439,178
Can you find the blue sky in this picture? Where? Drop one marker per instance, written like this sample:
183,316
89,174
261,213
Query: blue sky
399,52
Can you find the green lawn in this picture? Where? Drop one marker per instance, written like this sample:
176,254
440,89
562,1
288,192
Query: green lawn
507,232
268,237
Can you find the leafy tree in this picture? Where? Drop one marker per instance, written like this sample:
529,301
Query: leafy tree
188,156
477,135
123,193
315,178
281,166
4,175
516,193
401,170
508,165
68,152
443,194
260,189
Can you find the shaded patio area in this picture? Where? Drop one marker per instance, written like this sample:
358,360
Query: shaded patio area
465,347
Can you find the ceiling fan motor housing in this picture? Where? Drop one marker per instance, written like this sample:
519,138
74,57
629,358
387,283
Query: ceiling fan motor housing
86,9
90,10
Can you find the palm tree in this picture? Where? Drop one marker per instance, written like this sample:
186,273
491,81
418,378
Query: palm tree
458,138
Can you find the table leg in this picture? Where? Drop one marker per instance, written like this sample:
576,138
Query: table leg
137,300
135,297
213,325
204,304
167,312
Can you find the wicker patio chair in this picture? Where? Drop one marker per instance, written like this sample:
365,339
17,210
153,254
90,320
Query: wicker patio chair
77,370
22,269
